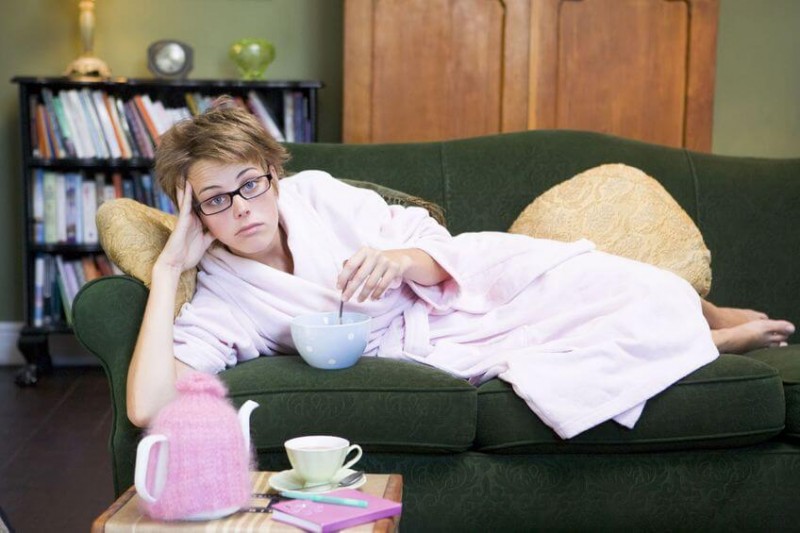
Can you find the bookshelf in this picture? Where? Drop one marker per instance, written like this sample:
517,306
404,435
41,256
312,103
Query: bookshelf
87,141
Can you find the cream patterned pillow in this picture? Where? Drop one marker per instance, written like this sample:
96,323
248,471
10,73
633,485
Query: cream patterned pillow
624,212
133,235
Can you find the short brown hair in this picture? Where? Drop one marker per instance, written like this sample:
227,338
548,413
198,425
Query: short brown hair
226,134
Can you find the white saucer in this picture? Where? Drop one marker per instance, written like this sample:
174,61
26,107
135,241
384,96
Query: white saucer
288,480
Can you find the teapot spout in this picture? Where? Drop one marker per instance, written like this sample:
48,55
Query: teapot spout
244,421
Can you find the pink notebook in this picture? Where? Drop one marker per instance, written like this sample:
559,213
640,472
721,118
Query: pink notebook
325,517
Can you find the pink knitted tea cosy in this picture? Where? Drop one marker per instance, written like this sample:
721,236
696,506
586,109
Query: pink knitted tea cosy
207,467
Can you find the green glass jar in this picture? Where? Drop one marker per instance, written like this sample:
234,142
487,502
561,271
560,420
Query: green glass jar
252,57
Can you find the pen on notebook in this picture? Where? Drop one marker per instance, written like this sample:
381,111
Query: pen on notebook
321,498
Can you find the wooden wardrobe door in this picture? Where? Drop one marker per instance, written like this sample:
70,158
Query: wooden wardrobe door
642,69
423,70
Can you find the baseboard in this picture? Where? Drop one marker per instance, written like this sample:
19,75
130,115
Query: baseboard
65,350
9,354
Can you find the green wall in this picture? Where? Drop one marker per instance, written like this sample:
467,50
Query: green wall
757,109
43,38
757,101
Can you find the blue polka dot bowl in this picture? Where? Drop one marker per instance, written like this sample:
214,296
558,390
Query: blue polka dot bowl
325,343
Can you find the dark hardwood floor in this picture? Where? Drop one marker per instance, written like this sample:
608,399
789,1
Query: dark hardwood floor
55,467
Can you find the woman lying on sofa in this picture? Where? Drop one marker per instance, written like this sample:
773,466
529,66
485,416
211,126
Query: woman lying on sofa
582,336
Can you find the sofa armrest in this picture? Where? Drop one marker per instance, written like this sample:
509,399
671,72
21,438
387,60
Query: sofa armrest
107,314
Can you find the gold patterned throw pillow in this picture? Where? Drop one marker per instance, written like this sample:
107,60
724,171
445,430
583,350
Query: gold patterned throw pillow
624,212
133,235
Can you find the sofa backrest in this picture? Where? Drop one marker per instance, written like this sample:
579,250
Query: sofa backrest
746,208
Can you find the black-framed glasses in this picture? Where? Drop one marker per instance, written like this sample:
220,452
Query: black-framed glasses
250,189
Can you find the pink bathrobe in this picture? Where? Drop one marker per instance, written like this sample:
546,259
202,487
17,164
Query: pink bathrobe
582,336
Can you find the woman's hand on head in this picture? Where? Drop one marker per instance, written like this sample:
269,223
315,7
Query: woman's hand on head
372,270
188,241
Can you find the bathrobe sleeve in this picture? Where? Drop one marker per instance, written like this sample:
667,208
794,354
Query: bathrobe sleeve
210,335
486,269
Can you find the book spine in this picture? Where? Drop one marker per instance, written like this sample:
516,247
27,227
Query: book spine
45,146
299,127
89,211
106,127
64,287
104,265
49,194
260,109
191,103
55,309
128,189
75,270
288,116
90,270
111,109
147,190
33,126
139,131
63,142
126,127
160,114
56,143
95,130
116,181
37,206
38,291
147,119
61,208
74,113
87,125
73,207
70,141
47,289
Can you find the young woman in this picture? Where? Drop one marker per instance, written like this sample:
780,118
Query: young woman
581,335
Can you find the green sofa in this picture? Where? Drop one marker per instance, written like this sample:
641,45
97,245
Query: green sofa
717,451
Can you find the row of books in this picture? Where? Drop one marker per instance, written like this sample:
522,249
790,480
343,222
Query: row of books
87,123
64,204
57,281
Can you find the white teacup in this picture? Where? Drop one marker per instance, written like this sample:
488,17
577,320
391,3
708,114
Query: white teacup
317,458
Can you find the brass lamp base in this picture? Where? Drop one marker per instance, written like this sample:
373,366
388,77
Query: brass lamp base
88,67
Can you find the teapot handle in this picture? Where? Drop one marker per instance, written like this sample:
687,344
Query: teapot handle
142,463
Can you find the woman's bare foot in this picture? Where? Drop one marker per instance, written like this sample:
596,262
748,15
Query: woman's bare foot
729,317
752,335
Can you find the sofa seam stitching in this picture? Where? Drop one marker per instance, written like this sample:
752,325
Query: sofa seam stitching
663,440
443,178
696,183
706,381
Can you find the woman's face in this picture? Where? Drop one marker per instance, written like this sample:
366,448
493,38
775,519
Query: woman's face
249,228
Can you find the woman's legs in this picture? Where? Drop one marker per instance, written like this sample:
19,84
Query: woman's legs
742,330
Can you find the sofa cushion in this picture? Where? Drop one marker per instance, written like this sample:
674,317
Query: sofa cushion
624,212
733,401
787,362
382,404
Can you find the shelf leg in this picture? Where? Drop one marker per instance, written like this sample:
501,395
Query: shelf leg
36,352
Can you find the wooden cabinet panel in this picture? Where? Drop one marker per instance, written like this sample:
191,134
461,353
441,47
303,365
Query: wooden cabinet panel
642,69
444,78
419,70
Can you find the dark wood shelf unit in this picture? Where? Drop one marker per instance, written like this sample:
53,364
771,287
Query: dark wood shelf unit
33,340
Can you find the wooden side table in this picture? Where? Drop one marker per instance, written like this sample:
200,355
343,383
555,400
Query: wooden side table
125,516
